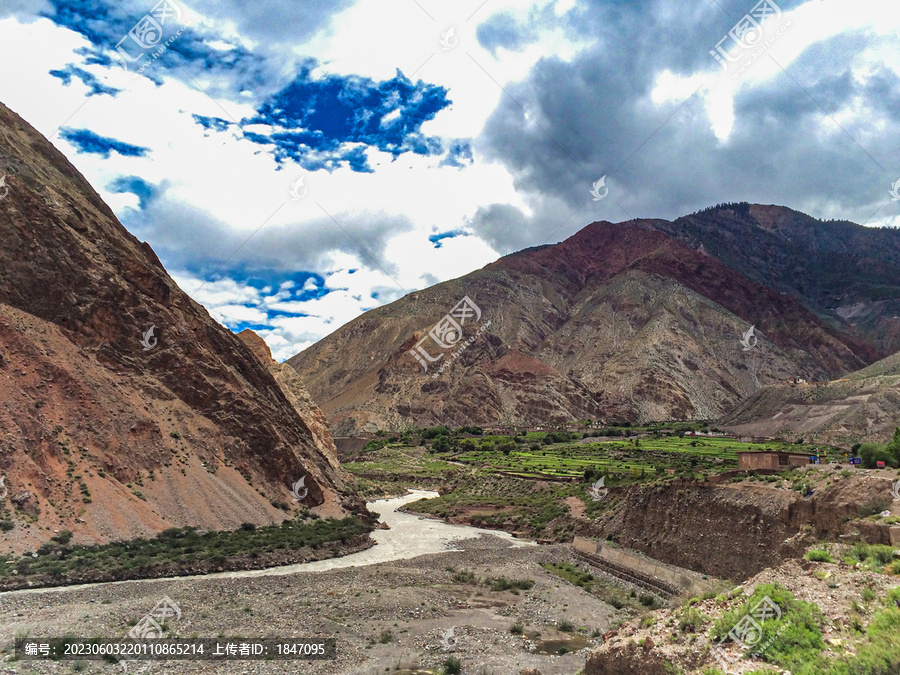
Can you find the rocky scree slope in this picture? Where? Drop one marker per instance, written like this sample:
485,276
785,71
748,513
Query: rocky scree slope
864,406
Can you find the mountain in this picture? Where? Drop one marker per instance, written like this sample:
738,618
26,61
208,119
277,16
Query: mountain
844,272
864,406
618,322
112,430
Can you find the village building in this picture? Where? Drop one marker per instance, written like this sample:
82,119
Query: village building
756,460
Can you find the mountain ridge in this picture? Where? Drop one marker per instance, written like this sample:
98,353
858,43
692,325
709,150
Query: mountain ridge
111,431
622,291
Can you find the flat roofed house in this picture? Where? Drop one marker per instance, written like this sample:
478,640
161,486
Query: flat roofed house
754,460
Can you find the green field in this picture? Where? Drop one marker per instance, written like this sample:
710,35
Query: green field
541,455
480,478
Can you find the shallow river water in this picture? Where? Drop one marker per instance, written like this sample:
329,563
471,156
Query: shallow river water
409,536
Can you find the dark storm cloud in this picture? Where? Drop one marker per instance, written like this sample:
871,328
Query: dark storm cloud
589,117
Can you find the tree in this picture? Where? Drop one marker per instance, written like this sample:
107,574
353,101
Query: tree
894,446
871,453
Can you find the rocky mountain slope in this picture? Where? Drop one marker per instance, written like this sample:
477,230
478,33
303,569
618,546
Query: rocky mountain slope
864,406
109,430
620,321
840,270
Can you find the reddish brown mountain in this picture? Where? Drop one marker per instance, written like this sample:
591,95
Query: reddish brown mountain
100,435
843,272
620,321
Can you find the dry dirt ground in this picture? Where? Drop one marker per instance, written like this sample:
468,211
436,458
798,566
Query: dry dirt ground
416,600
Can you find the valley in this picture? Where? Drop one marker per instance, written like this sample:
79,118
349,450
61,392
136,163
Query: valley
655,446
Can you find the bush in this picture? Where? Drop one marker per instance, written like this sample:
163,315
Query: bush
504,584
790,640
870,453
452,666
691,620
566,626
464,577
819,556
434,432
873,506
517,629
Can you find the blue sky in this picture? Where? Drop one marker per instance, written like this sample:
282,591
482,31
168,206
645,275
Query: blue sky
294,164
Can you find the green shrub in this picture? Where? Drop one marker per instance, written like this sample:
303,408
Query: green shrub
517,629
870,453
464,577
790,640
873,506
818,555
565,626
691,620
64,537
452,666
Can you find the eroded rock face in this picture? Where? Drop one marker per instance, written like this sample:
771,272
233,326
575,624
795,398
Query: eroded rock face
296,393
127,429
627,659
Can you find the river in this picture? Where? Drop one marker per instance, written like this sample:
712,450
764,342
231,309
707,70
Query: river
409,536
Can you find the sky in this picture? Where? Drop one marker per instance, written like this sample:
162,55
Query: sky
294,164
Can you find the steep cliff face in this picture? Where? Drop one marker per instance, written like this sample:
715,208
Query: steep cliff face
735,531
620,321
295,391
110,429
